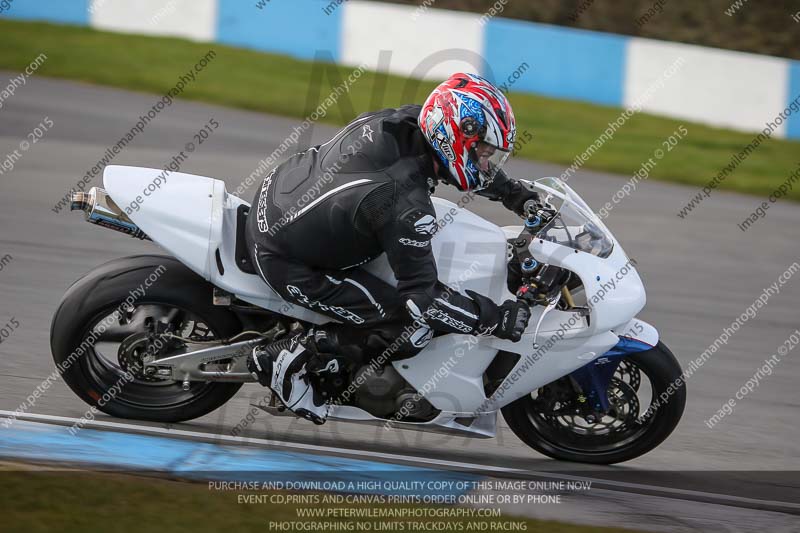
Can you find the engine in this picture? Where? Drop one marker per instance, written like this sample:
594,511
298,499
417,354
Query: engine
385,394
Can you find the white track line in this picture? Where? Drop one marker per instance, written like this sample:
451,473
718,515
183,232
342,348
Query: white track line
724,499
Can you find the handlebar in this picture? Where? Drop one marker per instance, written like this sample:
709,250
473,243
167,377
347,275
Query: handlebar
537,215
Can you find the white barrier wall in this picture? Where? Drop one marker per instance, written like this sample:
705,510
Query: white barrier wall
718,87
450,41
191,19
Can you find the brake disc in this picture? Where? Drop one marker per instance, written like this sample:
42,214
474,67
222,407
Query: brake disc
134,352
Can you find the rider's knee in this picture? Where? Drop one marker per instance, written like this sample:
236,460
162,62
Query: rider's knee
403,339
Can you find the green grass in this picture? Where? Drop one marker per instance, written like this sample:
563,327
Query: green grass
80,502
278,84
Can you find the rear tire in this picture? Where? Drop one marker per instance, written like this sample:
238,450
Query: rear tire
660,367
101,291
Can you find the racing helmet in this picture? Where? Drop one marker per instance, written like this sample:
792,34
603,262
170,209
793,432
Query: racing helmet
470,126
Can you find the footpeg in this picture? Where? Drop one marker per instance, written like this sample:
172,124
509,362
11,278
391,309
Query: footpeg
308,415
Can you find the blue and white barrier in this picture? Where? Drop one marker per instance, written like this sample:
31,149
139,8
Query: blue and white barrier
717,87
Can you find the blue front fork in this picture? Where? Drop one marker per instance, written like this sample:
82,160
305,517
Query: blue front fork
595,377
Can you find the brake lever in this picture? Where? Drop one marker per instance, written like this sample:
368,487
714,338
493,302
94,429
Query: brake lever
550,306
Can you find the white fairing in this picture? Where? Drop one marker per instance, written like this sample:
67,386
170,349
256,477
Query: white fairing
192,217
477,263
639,330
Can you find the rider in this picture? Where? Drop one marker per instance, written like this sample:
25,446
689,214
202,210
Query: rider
324,212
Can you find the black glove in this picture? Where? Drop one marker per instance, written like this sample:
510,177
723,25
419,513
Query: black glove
513,193
507,321
514,317
519,192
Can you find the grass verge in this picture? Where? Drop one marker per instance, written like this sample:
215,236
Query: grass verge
37,501
277,84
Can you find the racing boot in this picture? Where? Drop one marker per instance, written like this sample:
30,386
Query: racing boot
287,367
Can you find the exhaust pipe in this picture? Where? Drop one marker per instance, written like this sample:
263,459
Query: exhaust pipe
100,209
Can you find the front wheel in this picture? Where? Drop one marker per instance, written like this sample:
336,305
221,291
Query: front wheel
647,399
103,331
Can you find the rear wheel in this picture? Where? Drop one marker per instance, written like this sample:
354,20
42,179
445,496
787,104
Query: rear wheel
643,413
104,329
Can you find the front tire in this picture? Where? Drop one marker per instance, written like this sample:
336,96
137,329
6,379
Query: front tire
649,428
75,342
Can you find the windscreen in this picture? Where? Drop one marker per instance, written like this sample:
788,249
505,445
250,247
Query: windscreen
574,225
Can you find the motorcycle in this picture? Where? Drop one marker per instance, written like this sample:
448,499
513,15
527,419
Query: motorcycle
165,337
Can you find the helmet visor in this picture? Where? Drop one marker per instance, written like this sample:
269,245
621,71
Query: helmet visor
489,159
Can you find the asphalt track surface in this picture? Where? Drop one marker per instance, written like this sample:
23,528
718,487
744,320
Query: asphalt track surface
700,272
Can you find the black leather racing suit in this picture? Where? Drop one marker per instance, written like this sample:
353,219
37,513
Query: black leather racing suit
324,212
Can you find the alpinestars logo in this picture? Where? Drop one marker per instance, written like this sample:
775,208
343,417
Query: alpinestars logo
421,337
261,213
313,304
411,242
294,343
443,317
485,331
366,132
425,225
277,377
332,366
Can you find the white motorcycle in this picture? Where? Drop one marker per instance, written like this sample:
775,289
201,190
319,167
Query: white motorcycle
166,337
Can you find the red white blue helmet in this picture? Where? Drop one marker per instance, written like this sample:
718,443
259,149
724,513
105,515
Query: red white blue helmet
462,111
